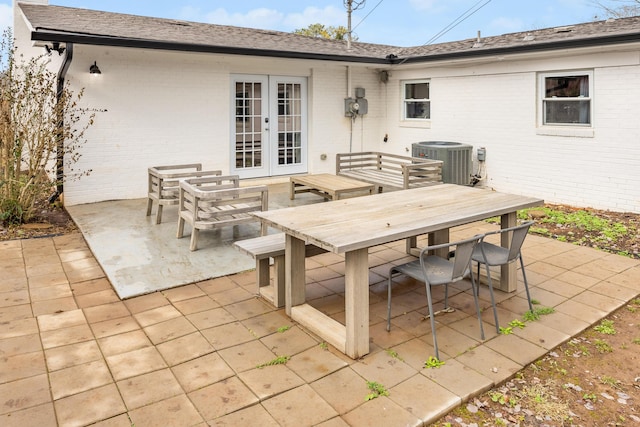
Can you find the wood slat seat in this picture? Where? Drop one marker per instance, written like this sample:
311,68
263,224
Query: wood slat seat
386,170
218,201
164,182
263,249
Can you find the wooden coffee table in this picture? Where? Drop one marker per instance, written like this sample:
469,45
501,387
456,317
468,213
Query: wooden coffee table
331,187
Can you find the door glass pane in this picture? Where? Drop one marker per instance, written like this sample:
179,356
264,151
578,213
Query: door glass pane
289,123
248,125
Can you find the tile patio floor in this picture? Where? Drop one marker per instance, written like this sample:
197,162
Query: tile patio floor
74,354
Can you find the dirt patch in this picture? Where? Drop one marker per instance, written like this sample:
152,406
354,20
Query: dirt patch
592,380
615,232
50,220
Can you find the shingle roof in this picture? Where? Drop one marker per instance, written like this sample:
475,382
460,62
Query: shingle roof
611,31
65,24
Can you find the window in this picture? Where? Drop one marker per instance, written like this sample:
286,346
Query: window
566,99
417,104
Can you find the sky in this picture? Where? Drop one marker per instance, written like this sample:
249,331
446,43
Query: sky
391,22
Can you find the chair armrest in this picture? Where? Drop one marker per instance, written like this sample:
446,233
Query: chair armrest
196,166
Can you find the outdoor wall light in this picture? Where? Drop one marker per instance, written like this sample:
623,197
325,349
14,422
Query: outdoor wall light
94,69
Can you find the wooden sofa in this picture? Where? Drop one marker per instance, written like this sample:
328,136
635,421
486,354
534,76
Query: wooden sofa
164,180
218,201
389,170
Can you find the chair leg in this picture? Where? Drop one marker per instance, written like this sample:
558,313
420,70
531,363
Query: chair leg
493,301
194,239
446,296
389,301
180,231
526,284
475,297
149,206
432,320
159,214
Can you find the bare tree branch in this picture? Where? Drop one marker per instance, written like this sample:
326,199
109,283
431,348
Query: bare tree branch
618,8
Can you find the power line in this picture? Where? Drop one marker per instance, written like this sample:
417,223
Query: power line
367,15
463,17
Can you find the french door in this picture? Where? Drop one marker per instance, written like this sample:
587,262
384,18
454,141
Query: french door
269,125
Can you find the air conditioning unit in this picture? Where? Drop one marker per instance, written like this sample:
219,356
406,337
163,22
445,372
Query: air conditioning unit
455,156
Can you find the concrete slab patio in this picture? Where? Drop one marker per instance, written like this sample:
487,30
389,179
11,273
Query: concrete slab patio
75,353
139,256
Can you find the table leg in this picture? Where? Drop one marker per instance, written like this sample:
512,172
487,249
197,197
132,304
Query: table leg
357,302
437,238
294,254
508,273
412,246
292,189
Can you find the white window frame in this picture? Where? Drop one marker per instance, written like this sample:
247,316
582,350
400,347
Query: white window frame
543,99
405,101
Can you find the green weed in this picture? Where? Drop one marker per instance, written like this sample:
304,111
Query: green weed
280,360
433,362
506,331
603,346
605,327
530,316
377,390
610,381
394,354
517,324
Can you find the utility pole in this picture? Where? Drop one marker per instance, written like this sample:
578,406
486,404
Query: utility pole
351,6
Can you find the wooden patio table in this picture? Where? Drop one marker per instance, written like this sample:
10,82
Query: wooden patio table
331,187
351,226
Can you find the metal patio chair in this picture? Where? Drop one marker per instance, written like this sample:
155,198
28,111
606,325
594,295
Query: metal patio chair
434,270
492,255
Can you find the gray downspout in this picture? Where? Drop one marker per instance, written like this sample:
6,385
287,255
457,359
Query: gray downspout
62,73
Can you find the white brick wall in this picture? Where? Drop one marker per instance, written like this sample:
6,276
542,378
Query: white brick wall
496,106
169,108
155,114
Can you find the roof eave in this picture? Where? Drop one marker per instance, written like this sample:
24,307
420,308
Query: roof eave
53,36
530,48
87,39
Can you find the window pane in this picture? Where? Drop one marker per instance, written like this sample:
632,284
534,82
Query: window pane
418,110
571,86
416,91
577,112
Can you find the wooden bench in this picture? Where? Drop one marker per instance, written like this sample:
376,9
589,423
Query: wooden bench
262,249
389,170
218,201
163,184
